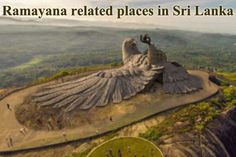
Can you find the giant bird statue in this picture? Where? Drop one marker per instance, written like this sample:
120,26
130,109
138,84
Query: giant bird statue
138,73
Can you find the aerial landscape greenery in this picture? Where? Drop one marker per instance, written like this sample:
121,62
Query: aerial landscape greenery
33,54
30,53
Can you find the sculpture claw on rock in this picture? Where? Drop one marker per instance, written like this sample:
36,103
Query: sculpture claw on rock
113,86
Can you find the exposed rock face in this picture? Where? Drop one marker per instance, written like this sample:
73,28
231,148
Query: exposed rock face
217,140
113,86
214,79
224,128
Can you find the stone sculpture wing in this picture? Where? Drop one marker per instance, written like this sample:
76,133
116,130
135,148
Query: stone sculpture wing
176,80
99,89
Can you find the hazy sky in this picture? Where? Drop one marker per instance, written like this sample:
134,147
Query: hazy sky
207,24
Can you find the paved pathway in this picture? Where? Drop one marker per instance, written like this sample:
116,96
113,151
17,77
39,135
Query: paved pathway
10,127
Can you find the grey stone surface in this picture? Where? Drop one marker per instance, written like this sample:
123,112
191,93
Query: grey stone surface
113,86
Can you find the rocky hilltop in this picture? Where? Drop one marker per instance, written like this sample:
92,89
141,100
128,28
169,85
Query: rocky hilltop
217,140
205,129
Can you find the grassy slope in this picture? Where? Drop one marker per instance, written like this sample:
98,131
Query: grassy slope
32,62
228,76
128,146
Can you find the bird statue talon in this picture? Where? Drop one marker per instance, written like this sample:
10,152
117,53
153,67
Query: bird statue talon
145,39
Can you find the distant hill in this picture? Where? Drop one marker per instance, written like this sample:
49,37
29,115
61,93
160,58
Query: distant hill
70,23
29,51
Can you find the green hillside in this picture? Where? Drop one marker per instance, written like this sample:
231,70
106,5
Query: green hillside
30,52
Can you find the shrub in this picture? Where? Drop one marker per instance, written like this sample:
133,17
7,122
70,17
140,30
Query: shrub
230,93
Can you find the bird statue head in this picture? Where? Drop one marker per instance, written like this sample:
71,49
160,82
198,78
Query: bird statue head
129,48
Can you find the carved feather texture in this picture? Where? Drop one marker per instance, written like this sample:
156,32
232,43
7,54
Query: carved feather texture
113,86
176,80
99,89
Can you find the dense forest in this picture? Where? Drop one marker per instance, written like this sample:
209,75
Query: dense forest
30,52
